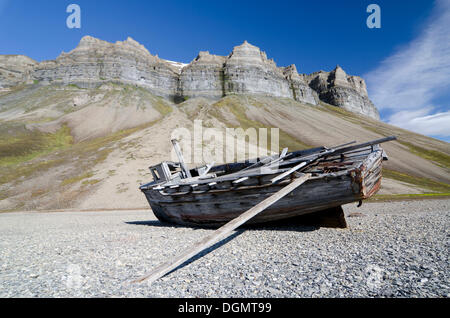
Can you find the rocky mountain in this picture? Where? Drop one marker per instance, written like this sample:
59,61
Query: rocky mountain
246,70
80,131
339,89
15,70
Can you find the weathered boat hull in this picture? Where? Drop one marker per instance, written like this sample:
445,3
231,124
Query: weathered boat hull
212,207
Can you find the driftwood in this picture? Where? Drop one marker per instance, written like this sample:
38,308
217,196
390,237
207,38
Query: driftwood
222,232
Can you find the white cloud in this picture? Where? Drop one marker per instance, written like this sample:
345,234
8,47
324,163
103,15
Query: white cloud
410,80
423,122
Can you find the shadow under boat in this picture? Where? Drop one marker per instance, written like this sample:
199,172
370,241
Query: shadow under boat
330,218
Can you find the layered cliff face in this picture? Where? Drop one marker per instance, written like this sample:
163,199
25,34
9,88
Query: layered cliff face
339,89
300,89
247,70
94,61
15,70
203,77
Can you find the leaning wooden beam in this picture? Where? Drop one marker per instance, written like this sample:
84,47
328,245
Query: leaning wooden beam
366,144
290,171
266,161
176,146
222,232
339,150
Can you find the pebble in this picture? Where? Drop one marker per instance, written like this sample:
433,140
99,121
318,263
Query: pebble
398,249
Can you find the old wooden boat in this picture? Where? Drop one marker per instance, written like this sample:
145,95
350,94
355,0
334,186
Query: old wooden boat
214,195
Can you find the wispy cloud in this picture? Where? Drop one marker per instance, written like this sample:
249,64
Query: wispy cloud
409,83
423,121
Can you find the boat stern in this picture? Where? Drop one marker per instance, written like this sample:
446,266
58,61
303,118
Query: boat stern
366,179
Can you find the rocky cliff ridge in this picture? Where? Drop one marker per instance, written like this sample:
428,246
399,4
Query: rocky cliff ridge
15,70
339,89
247,70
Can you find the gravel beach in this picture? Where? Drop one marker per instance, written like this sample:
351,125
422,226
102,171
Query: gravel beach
396,249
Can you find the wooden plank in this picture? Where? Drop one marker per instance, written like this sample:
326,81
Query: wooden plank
222,232
367,144
228,177
176,146
290,171
332,152
240,180
266,161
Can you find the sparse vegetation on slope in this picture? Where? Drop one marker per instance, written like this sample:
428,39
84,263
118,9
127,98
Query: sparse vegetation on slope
403,197
18,145
427,148
424,183
236,105
423,146
64,167
43,170
72,165
76,179
437,157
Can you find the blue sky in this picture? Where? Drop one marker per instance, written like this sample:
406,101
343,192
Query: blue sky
314,35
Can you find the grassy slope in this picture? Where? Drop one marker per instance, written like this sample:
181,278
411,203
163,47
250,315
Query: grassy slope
19,145
25,154
428,148
237,107
425,147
